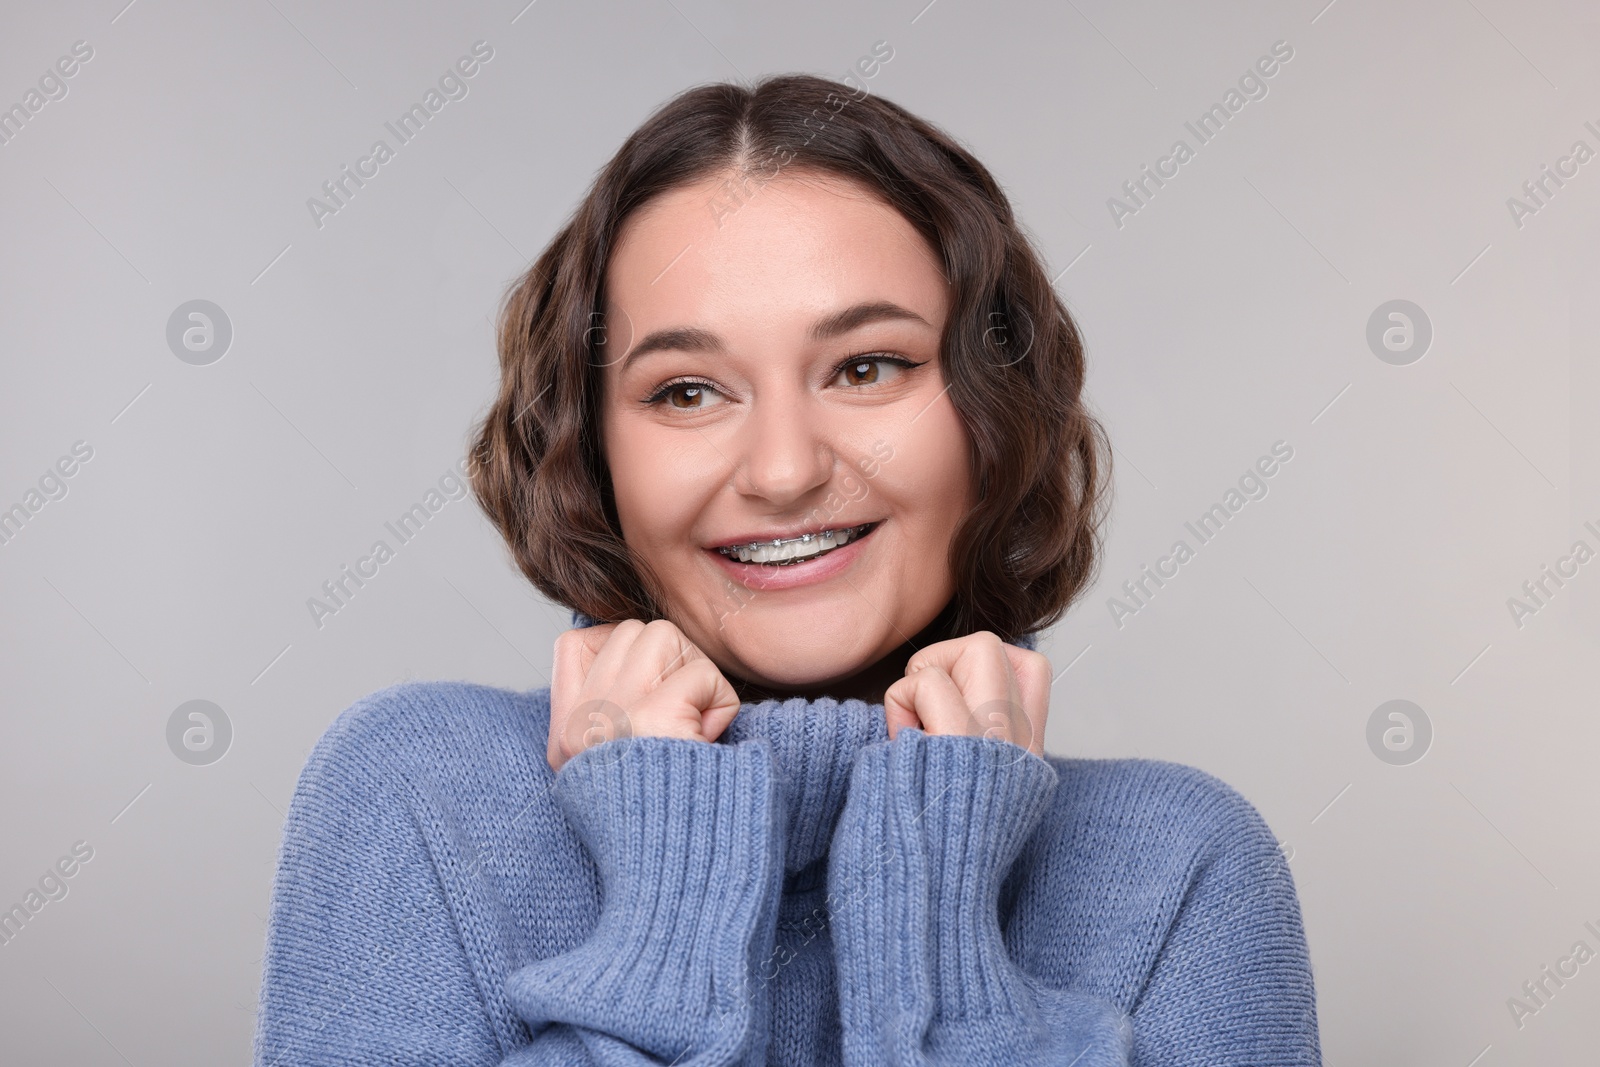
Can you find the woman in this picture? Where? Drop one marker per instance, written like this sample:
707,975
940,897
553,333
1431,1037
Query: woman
791,407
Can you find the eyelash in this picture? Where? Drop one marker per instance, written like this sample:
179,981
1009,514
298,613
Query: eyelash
866,357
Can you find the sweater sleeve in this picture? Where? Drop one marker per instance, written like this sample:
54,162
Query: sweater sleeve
930,828
688,840
1232,982
363,961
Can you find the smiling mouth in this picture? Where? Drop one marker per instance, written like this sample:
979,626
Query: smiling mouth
802,549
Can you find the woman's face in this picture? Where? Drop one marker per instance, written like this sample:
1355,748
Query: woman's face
771,369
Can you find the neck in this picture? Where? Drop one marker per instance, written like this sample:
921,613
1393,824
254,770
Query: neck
868,684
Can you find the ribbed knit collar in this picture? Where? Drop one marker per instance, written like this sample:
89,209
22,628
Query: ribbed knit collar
814,743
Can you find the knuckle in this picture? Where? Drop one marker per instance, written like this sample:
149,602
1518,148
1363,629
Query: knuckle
661,630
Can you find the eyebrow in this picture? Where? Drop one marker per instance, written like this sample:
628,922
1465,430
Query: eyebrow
694,339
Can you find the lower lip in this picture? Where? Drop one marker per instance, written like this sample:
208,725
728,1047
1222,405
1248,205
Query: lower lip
766,576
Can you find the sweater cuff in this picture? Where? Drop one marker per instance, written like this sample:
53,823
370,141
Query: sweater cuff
932,826
687,837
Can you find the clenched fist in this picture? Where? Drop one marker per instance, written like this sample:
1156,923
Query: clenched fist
976,684
633,679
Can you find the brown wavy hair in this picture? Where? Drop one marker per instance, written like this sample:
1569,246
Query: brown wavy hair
1011,354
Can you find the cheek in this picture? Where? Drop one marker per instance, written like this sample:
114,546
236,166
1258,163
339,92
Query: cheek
625,458
638,493
929,479
657,491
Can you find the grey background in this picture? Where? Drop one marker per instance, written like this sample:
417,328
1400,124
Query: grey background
1229,313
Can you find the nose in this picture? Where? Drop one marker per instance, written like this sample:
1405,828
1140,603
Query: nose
784,451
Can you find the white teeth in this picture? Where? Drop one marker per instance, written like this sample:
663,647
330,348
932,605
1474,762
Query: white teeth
806,546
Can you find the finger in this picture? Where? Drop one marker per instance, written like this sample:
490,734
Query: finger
899,705
659,650
588,724
696,700
575,652
719,701
612,658
1005,721
979,666
928,699
1034,678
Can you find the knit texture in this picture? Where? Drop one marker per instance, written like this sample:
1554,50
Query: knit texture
801,891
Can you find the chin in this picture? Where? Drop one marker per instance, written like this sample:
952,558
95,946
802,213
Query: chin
789,675
796,652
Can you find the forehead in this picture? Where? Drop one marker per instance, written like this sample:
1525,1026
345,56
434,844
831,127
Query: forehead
721,253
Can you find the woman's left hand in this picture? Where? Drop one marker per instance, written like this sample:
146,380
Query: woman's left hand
970,685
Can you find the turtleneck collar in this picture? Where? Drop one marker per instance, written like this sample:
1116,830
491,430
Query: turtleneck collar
814,744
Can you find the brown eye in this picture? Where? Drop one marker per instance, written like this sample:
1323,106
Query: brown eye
685,396
867,369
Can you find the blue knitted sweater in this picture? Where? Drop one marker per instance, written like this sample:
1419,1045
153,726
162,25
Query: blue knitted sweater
801,891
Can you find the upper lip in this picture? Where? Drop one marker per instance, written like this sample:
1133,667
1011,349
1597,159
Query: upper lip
768,536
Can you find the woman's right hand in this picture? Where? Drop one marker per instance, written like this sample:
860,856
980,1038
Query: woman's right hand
633,679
